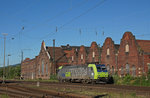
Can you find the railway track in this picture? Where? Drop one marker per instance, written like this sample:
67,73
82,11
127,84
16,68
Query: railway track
99,87
111,86
23,88
16,90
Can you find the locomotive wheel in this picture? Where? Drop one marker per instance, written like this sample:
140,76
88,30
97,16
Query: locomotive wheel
60,80
84,81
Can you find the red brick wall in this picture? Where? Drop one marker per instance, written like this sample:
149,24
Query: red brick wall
146,62
28,69
82,51
71,56
109,59
116,59
47,64
93,57
132,57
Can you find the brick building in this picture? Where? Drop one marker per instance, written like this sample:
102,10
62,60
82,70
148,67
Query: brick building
94,53
71,53
82,55
28,69
109,55
132,57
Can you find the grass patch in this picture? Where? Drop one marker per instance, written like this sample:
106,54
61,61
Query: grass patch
4,96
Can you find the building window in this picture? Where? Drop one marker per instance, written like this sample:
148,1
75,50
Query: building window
32,75
42,66
108,51
122,71
72,58
81,56
93,54
133,71
108,68
148,67
46,68
112,70
127,69
39,70
127,48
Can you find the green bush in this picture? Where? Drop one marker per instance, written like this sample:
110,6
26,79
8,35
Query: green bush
129,80
53,77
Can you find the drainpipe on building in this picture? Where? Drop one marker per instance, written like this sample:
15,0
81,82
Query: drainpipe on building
117,62
54,65
143,65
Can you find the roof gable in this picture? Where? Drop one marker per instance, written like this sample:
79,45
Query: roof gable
60,56
145,45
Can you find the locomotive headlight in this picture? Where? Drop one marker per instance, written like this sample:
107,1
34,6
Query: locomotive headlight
92,73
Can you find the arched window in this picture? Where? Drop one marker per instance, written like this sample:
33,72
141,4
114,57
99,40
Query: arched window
108,51
72,58
127,69
93,55
39,69
42,66
46,68
81,56
133,71
108,68
148,67
122,71
127,48
113,70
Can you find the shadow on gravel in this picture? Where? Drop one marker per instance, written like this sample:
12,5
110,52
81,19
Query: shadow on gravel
100,96
7,82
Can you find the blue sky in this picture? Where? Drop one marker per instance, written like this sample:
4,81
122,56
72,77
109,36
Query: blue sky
74,22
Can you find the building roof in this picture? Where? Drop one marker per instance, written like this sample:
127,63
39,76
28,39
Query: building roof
144,45
28,59
60,56
68,47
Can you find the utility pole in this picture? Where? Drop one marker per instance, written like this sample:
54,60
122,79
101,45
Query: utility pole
99,53
8,67
4,34
21,56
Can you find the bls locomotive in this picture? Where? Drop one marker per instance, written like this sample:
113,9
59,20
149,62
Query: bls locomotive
90,73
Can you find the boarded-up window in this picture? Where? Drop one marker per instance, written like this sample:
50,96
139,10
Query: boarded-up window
133,71
113,70
108,51
72,58
127,69
42,66
39,70
148,67
32,75
122,70
108,68
46,68
127,48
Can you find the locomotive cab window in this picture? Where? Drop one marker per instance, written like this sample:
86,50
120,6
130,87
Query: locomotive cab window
101,68
91,69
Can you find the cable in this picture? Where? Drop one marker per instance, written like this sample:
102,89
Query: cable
75,18
59,14
90,9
